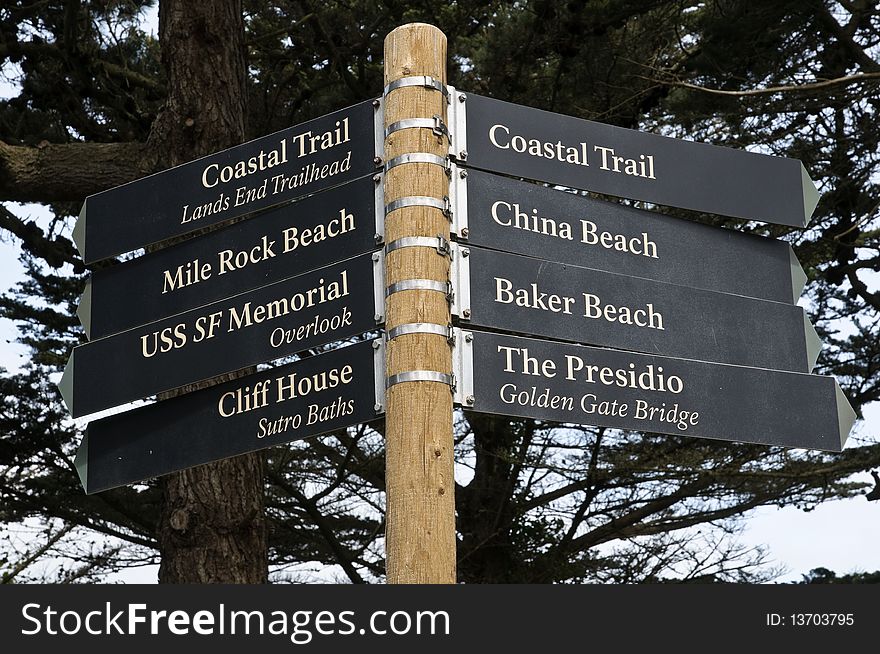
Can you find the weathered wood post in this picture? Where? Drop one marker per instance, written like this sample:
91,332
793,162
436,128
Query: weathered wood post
420,532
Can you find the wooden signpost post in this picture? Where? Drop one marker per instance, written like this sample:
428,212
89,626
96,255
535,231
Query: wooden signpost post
658,324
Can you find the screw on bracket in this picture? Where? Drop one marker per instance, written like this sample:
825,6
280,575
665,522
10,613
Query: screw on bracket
465,313
464,232
469,400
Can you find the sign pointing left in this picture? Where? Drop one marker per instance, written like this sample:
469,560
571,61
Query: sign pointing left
305,398
270,170
318,307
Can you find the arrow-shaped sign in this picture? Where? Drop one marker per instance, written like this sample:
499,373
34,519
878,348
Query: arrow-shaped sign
536,297
609,388
280,167
283,242
582,154
291,402
523,218
274,321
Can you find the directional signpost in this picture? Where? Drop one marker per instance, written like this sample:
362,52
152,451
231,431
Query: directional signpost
669,326
582,154
322,306
533,296
287,403
280,167
585,385
515,216
280,243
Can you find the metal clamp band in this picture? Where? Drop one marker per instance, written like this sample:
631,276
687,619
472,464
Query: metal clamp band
443,205
437,242
420,375
435,124
418,285
418,80
420,328
419,157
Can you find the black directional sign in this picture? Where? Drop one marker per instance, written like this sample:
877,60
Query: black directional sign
536,297
270,322
282,242
582,154
515,216
272,169
287,403
586,385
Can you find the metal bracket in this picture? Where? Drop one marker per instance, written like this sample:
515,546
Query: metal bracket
458,122
379,375
379,130
419,157
437,242
460,280
417,80
379,208
458,197
421,375
443,205
379,287
419,285
435,124
421,328
463,367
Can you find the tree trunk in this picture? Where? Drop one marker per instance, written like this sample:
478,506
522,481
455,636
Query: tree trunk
212,528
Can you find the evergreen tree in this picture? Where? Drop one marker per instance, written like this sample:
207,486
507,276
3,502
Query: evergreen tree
102,103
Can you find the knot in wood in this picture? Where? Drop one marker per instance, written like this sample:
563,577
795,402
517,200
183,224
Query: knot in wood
179,520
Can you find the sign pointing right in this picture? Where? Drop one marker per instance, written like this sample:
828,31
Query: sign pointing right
582,154
544,298
524,218
594,386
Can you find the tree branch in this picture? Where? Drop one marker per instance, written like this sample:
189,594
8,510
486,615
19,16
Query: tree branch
794,88
56,252
55,172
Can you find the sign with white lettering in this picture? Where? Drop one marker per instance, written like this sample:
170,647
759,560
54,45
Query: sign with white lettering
539,145
280,167
282,242
290,402
524,218
593,386
536,297
273,321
